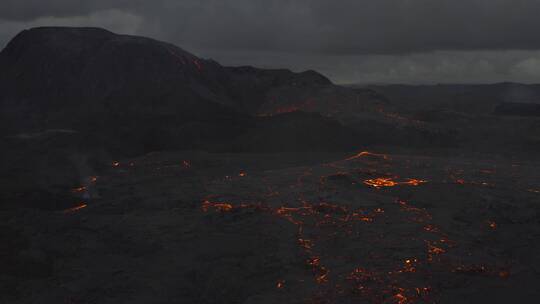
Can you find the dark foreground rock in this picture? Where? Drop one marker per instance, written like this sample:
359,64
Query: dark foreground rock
195,227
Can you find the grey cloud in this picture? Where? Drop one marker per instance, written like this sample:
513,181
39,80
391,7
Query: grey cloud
319,26
28,10
529,67
419,68
352,26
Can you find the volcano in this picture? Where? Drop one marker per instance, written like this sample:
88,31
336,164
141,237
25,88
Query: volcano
130,94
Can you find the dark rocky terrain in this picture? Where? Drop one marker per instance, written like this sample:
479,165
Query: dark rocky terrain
193,227
518,109
136,172
497,118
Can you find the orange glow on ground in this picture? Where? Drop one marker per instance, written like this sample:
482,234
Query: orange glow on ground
223,207
79,189
382,182
366,153
320,224
76,208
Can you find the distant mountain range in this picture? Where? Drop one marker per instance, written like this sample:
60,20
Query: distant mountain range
466,98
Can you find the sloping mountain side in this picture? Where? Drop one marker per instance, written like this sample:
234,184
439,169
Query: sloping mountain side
131,94
93,81
88,72
95,65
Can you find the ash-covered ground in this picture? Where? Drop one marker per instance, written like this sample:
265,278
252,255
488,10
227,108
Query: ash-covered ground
195,227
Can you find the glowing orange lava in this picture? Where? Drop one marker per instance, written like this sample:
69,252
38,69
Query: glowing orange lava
368,276
409,265
79,189
435,250
223,207
76,208
382,182
366,153
401,299
431,228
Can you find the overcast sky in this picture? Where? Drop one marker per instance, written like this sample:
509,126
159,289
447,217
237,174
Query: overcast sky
351,41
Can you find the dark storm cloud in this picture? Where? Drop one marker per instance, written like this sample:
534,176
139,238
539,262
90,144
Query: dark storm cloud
26,10
354,26
350,40
320,26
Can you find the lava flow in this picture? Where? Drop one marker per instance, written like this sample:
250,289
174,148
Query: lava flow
345,249
389,182
76,208
80,189
322,222
366,153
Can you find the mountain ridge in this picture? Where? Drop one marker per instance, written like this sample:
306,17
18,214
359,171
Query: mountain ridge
135,93
98,59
